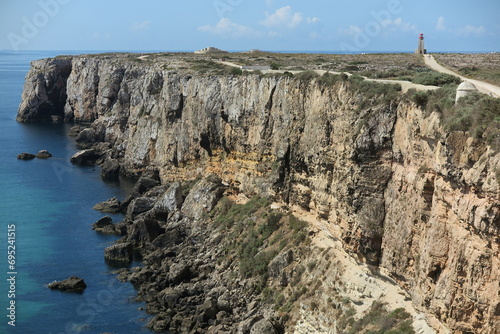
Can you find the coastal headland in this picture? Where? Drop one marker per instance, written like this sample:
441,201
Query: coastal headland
307,198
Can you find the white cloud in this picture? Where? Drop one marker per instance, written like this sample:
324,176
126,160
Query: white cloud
440,26
470,30
399,24
273,34
140,26
285,17
228,28
351,31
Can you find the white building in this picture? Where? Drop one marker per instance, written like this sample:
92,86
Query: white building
464,89
210,49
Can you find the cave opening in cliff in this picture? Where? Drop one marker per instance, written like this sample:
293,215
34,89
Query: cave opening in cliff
205,143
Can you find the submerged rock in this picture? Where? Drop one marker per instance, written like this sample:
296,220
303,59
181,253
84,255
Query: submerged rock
72,284
26,156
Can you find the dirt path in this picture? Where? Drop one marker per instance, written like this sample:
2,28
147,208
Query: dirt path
405,85
482,86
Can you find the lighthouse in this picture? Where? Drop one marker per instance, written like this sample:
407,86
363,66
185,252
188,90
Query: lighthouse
421,48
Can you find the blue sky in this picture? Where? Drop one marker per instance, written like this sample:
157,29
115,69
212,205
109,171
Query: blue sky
274,25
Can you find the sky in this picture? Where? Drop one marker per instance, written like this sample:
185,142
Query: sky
241,25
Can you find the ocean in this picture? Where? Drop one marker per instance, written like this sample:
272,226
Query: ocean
46,210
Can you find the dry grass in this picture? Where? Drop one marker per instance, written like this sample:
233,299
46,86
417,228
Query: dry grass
206,64
484,66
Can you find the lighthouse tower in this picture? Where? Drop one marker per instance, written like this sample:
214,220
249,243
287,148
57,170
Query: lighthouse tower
421,48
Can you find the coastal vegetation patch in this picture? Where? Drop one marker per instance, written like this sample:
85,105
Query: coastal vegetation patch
478,114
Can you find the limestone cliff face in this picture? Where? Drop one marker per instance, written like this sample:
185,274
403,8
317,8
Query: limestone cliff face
442,222
392,184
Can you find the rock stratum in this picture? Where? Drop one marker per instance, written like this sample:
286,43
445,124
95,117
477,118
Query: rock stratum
384,180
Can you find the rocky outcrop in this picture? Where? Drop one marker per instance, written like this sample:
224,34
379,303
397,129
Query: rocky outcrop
43,154
111,205
44,94
110,169
392,184
84,157
26,156
72,284
119,253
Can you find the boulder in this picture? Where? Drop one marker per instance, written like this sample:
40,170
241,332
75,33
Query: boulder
143,231
84,157
141,186
203,197
26,156
208,310
122,252
103,222
72,284
171,237
263,326
179,272
43,154
168,298
144,184
111,205
105,225
170,200
86,138
74,130
110,169
140,276
140,205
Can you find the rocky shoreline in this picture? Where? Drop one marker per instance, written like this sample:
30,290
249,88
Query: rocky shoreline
187,282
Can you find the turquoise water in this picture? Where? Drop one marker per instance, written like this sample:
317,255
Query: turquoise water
50,203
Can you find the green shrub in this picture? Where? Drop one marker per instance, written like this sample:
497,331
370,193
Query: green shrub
296,224
477,113
235,71
379,321
373,93
421,98
328,79
435,79
351,68
307,75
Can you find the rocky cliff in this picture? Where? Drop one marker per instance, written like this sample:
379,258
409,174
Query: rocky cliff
386,179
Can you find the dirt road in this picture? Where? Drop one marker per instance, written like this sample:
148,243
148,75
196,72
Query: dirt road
482,86
405,85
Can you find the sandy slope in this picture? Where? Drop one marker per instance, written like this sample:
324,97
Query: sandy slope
360,279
